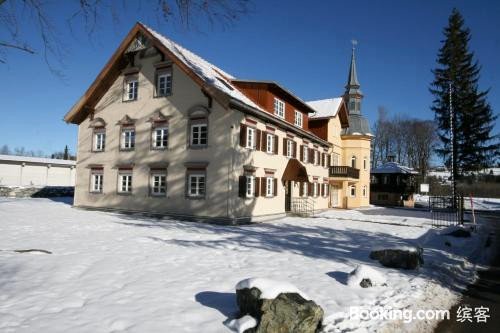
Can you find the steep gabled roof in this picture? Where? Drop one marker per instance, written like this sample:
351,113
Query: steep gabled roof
329,108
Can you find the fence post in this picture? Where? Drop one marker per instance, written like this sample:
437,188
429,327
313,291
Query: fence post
461,209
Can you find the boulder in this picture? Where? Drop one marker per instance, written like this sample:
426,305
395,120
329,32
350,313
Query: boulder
364,276
279,311
399,257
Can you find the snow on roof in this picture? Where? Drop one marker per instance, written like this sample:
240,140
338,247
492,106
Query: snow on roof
208,72
325,107
393,167
27,159
270,289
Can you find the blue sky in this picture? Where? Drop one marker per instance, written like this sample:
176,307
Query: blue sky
305,46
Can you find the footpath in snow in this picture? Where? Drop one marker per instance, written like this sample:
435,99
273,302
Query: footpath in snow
110,272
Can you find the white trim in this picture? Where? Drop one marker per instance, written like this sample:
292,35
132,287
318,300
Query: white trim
163,137
270,143
162,184
289,148
199,138
269,186
96,178
128,143
279,108
299,119
99,141
250,186
125,182
251,132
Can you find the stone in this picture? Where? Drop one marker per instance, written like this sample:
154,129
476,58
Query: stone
365,283
405,258
288,312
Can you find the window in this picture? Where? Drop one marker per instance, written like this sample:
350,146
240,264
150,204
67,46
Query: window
99,141
352,106
128,139
298,118
164,82
270,143
96,181
199,135
160,137
196,185
158,184
315,189
279,108
365,163
250,137
325,189
125,183
131,85
305,189
365,192
316,157
306,154
352,191
353,161
269,186
250,185
336,159
289,148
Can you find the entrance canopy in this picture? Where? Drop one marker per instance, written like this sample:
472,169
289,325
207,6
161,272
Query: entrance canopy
295,171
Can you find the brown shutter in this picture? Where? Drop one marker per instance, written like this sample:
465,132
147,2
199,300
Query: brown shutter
309,189
327,189
243,135
284,146
329,160
256,189
276,144
258,134
275,189
294,149
322,190
323,159
242,189
311,156
263,186
302,153
264,141
301,189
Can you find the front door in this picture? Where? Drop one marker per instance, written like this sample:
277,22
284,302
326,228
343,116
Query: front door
288,196
334,196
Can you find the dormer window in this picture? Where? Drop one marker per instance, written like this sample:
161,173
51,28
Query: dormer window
131,88
298,118
164,82
279,108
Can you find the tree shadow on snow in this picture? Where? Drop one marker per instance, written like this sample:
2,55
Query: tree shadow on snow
341,277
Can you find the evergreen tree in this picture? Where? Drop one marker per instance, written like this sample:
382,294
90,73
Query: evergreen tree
474,145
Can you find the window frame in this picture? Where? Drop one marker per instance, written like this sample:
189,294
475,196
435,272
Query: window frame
127,91
199,125
354,161
269,187
289,148
250,186
94,173
251,140
299,121
95,134
352,189
161,174
315,190
198,194
365,191
269,143
305,189
128,184
160,73
279,108
159,127
123,138
305,154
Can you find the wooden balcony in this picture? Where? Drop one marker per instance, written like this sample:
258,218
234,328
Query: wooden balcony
341,171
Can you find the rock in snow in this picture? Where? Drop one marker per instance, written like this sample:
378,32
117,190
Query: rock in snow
242,325
278,307
365,277
399,257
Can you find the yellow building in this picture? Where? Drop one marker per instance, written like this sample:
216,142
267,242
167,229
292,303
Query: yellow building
340,122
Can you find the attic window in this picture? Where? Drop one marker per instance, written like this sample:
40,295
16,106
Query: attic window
224,83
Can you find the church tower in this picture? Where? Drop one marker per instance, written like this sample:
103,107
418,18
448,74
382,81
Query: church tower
358,125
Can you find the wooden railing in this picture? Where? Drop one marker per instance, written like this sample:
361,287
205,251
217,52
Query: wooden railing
344,171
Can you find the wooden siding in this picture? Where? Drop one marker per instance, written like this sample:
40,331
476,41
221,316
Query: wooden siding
319,127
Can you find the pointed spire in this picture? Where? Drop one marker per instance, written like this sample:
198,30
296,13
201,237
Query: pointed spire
352,80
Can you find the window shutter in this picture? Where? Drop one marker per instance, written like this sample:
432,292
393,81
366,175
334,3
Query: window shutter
294,149
258,134
323,158
276,144
322,190
275,189
256,190
242,189
263,186
302,153
284,146
243,135
327,189
311,156
264,141
301,189
328,160
309,189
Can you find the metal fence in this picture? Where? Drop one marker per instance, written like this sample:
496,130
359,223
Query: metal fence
446,210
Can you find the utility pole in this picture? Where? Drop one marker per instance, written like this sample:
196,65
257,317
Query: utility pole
452,144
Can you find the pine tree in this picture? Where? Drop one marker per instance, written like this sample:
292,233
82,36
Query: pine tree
474,145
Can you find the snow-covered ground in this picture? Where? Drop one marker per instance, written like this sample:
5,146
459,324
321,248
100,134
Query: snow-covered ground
110,272
476,203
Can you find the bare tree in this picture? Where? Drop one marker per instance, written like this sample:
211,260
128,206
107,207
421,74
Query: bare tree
89,13
4,150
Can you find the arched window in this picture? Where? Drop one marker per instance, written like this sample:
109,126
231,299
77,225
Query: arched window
352,191
353,161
